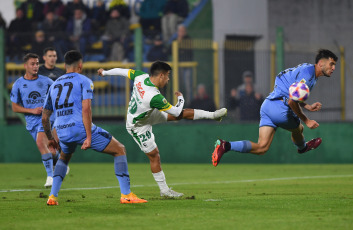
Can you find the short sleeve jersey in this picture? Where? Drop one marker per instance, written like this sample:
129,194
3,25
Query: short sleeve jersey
65,100
31,94
144,99
302,73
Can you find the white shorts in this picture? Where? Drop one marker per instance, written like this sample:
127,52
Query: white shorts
143,135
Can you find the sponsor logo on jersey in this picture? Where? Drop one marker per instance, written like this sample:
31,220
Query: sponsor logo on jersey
65,126
34,97
140,89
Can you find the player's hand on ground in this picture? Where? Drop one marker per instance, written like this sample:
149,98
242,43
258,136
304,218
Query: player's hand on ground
315,107
53,145
86,144
312,124
178,94
37,110
100,72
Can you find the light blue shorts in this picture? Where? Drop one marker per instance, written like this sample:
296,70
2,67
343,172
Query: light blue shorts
100,140
276,113
37,129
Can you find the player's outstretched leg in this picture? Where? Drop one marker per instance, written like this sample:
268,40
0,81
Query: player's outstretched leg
59,175
117,150
198,114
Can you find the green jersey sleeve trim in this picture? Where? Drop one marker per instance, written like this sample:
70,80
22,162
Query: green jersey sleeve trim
159,102
135,73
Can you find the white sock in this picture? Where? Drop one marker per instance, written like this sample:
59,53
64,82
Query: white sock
202,114
160,179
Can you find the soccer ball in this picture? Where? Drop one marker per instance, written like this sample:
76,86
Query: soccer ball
299,91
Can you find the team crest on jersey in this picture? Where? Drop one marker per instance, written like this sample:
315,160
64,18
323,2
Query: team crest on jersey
302,81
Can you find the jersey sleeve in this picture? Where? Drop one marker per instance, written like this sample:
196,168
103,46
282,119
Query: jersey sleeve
48,104
159,102
14,95
87,89
135,73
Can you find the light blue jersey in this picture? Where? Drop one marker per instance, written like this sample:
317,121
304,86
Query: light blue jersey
31,94
304,72
65,100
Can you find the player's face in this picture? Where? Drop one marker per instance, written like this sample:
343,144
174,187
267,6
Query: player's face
328,66
50,58
164,79
32,66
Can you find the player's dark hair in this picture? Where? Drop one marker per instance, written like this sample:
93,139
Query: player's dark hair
72,57
45,51
28,56
158,67
322,53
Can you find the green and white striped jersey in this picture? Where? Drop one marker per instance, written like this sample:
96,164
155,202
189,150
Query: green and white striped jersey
144,99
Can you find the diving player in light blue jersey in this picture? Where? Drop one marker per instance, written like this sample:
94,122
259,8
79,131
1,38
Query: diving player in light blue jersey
70,99
278,110
27,95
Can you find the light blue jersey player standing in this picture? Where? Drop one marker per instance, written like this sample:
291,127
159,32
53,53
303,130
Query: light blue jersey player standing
27,95
280,111
69,98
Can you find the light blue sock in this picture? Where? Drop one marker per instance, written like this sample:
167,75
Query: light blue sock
59,175
122,173
48,163
241,146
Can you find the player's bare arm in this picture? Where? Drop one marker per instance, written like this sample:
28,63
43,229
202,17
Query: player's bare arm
87,122
296,108
52,143
313,107
20,109
100,72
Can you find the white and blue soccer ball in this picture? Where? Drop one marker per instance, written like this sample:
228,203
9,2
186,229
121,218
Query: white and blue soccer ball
299,91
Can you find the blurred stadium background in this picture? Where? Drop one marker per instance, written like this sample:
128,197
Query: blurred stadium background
226,39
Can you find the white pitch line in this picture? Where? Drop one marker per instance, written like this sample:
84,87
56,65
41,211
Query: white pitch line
189,183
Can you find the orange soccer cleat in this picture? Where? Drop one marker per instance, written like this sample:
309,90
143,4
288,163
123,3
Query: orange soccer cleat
131,198
52,200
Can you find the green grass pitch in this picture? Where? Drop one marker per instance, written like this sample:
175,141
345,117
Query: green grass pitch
230,196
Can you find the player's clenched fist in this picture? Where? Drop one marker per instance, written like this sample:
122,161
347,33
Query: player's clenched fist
100,72
178,94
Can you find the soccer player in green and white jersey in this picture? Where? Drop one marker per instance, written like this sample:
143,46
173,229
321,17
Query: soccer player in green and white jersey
148,107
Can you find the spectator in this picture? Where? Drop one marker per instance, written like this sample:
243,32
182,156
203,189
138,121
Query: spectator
39,44
158,51
99,16
175,11
54,28
121,6
19,35
151,12
248,78
79,31
33,11
250,103
116,31
76,4
202,100
49,69
57,7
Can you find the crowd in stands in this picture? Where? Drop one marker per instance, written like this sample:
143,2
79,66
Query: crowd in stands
101,28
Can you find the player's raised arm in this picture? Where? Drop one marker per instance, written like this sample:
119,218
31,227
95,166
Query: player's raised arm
114,72
160,103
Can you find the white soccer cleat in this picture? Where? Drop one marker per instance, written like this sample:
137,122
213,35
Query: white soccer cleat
49,182
67,170
171,193
219,114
